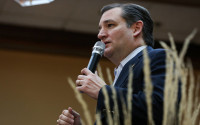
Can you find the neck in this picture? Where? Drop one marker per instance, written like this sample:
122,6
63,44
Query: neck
118,58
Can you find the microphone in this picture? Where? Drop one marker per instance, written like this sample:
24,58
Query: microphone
97,53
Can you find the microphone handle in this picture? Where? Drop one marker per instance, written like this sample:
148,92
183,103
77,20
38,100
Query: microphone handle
92,65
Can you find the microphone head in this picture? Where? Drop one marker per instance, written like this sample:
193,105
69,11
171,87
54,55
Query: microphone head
99,48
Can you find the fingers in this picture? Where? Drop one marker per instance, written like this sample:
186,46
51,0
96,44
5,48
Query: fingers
66,118
80,79
68,113
85,71
89,83
70,110
69,117
61,122
78,83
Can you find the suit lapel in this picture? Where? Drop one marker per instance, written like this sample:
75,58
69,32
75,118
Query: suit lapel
125,71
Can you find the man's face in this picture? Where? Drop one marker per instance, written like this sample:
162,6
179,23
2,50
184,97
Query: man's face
113,31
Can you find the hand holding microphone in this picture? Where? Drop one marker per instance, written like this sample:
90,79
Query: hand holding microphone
90,83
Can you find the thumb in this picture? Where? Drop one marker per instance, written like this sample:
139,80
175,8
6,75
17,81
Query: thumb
73,112
85,71
70,110
96,72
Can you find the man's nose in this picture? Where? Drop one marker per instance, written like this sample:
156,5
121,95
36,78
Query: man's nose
101,34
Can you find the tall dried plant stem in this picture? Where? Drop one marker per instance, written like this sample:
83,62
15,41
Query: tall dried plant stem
177,73
171,83
124,109
114,97
196,111
186,43
98,119
148,87
98,115
192,109
197,89
127,111
129,97
109,75
183,102
195,115
82,102
180,72
190,92
108,111
100,72
187,115
107,105
116,112
168,80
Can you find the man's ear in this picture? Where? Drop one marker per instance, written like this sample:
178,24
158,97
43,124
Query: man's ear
137,28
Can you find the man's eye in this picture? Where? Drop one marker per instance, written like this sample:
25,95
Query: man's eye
110,25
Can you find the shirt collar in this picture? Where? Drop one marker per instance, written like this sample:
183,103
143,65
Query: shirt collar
131,55
128,58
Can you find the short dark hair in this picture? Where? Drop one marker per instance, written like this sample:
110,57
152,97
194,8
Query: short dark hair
132,13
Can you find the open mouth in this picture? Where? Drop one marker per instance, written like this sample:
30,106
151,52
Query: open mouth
107,43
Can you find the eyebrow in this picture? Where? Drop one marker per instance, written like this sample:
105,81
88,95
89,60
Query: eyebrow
106,21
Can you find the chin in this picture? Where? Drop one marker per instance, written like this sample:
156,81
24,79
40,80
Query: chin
108,52
107,55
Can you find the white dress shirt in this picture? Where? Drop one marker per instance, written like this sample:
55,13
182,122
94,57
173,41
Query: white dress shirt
118,70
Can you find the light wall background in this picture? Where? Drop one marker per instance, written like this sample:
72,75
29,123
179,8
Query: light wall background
34,88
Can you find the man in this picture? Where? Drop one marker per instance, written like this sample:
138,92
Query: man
124,28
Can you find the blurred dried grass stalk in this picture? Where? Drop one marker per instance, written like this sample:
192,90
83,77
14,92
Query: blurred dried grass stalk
82,102
176,70
148,87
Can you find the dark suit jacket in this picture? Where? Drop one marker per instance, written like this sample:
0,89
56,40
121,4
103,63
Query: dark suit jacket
139,108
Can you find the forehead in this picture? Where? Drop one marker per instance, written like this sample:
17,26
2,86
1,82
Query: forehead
111,15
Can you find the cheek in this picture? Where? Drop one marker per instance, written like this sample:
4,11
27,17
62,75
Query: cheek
117,34
121,35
